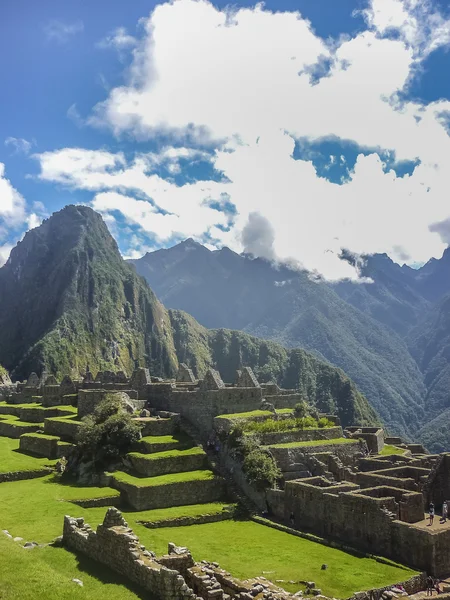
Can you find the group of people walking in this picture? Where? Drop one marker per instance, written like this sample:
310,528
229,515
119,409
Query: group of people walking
431,512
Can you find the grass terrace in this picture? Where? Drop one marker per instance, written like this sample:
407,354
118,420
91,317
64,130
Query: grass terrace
316,443
175,512
120,476
12,460
248,549
34,509
195,451
48,573
255,413
389,450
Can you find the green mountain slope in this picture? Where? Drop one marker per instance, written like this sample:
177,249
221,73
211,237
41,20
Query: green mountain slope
393,297
325,386
430,344
68,299
224,289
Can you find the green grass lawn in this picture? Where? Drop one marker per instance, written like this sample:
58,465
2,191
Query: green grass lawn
315,443
388,450
160,514
195,451
47,573
16,421
13,460
255,413
248,549
34,509
163,479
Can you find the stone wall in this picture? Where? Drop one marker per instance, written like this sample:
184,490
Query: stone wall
200,406
118,548
373,436
152,466
64,428
19,475
174,576
40,445
405,476
13,429
159,426
300,435
286,456
171,494
380,520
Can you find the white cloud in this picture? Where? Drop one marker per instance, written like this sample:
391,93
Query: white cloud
5,251
118,39
19,145
12,204
235,78
61,32
417,22
15,217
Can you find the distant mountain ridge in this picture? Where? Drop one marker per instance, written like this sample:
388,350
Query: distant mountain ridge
392,335
68,299
224,289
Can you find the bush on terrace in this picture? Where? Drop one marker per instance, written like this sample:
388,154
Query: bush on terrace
107,434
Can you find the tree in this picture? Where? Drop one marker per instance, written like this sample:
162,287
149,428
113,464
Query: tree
107,434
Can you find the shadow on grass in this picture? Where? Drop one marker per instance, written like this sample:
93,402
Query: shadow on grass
106,575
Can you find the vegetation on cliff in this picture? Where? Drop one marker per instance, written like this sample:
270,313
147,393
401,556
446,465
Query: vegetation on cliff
323,385
68,299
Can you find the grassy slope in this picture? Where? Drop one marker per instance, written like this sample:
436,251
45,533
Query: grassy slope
315,443
164,479
248,549
47,573
12,460
389,450
33,510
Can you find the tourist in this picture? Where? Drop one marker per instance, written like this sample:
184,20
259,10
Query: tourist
292,519
431,513
430,585
444,511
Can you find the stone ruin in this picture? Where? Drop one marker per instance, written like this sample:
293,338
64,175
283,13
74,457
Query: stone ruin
197,400
174,576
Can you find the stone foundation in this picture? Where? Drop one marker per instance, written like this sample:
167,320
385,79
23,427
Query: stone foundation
171,494
40,445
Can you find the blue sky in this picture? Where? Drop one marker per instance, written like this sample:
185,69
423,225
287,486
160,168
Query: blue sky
68,70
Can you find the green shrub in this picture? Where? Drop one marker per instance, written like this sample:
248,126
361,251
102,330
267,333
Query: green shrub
107,434
301,410
280,425
261,469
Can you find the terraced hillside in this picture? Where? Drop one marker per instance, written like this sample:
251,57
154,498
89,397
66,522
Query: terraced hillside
164,489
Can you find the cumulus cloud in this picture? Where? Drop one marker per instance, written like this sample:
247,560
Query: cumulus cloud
15,216
61,31
240,89
258,236
417,22
12,204
19,145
